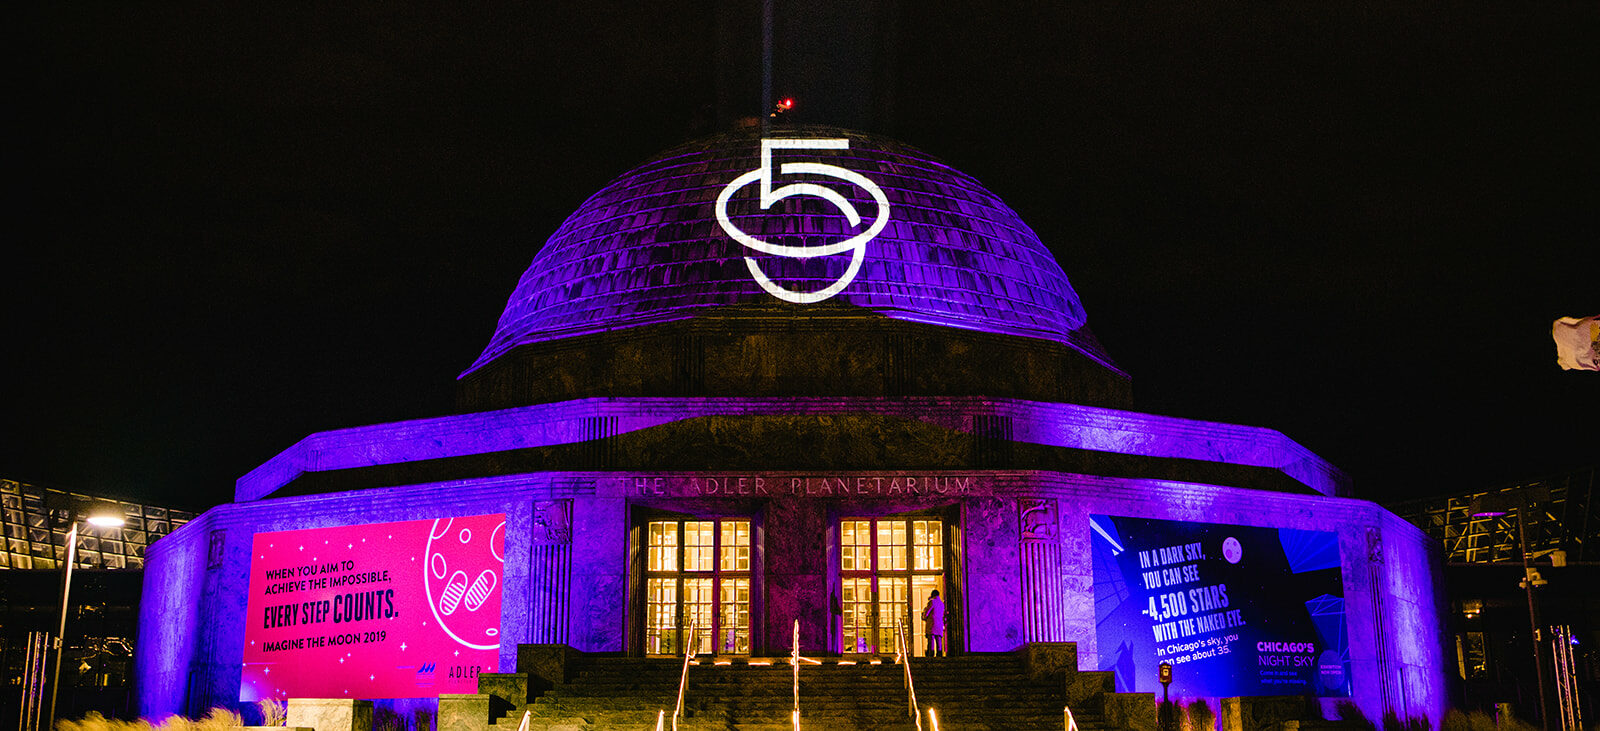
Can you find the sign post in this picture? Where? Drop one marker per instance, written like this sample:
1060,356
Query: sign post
1166,703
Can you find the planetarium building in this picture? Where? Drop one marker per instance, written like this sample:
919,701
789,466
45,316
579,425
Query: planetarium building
815,376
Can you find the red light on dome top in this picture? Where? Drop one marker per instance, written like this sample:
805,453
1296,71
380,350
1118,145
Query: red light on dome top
787,103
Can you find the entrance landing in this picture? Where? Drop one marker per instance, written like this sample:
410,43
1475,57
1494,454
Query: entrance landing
974,692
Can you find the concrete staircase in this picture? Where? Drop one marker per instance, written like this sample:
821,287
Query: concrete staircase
974,692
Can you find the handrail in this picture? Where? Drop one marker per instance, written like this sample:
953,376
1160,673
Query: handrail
794,660
683,680
905,662
1070,722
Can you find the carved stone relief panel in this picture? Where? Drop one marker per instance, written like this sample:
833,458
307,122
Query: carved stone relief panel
1038,519
552,523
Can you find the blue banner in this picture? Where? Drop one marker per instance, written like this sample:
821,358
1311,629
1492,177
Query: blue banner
1237,611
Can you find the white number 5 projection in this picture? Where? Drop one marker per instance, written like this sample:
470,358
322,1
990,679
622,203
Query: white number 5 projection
856,245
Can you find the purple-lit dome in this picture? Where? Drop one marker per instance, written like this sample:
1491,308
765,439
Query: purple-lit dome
649,247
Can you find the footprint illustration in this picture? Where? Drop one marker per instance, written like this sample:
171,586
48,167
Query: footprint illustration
451,596
480,590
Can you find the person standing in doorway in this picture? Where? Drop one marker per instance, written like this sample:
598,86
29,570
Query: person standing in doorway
933,624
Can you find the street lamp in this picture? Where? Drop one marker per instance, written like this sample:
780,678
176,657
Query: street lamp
101,515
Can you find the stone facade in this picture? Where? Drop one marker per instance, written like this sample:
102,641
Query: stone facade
1007,592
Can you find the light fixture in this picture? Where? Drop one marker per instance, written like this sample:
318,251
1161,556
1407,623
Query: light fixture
1498,504
100,515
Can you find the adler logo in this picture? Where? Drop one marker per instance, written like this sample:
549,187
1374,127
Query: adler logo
856,245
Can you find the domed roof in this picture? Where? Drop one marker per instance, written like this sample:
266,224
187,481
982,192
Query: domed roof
853,219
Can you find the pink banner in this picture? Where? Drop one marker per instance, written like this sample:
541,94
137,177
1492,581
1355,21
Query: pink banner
384,610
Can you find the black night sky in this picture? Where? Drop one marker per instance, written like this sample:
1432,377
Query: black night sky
234,225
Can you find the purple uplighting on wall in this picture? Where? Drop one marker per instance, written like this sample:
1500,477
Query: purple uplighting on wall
556,594
1059,425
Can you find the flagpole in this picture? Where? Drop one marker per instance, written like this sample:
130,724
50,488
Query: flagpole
766,68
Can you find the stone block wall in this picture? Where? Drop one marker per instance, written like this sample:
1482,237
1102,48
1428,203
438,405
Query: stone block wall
169,618
568,576
330,714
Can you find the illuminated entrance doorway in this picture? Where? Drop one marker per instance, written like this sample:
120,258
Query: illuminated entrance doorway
888,567
699,570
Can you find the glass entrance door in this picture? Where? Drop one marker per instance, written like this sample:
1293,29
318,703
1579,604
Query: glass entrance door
888,568
700,570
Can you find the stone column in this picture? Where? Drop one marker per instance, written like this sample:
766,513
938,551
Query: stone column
1040,554
597,593
797,576
992,593
550,577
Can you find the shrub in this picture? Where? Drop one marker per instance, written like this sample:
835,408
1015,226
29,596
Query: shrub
273,712
1347,710
218,719
1198,716
1509,724
177,723
1455,721
1393,722
387,719
96,722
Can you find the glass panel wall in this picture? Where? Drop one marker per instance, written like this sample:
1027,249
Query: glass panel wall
889,567
697,570
34,539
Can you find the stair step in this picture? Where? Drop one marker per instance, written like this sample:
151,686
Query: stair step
970,693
